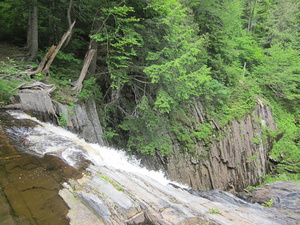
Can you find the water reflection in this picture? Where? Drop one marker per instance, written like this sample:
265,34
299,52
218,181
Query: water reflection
29,184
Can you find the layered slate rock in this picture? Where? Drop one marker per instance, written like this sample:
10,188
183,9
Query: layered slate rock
237,158
118,197
280,196
82,119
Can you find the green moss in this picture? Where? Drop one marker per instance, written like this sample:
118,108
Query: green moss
256,140
268,204
112,182
214,211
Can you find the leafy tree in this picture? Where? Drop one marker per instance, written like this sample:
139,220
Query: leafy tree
119,38
279,72
283,23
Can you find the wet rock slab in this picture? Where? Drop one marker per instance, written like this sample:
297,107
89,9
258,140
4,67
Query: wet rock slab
281,197
117,197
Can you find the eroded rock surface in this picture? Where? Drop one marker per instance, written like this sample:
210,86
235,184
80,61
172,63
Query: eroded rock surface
118,197
105,193
29,184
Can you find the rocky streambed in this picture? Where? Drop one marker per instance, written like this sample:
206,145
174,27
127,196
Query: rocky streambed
50,176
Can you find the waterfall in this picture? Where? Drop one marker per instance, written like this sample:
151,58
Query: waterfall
46,138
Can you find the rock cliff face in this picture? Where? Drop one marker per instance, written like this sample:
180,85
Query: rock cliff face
82,119
237,160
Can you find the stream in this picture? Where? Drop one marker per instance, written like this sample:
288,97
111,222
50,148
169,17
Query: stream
50,176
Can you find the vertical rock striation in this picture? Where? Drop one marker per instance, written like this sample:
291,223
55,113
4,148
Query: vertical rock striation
233,162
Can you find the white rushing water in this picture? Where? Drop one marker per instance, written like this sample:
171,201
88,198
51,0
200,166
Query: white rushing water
46,138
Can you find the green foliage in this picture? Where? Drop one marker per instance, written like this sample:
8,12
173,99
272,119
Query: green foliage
204,132
118,36
256,140
9,70
63,120
283,23
281,177
10,78
286,149
214,211
6,90
89,87
280,71
241,100
268,204
64,67
148,131
163,102
110,133
12,22
165,58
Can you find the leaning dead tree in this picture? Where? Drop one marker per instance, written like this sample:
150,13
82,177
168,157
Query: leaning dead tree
51,54
87,61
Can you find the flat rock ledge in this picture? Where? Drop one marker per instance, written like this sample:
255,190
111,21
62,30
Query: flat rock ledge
106,196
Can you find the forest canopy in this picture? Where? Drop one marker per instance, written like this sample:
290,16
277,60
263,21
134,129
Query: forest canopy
154,60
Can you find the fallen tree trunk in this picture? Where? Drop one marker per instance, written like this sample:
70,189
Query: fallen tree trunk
51,54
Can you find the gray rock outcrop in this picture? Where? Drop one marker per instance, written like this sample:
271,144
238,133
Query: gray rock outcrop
118,197
82,119
235,160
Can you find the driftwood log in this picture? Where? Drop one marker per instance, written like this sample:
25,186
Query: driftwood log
36,86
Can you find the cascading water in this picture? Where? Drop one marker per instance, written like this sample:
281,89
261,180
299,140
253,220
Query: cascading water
48,139
111,188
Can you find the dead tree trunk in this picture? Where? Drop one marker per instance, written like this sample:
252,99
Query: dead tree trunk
50,56
93,65
87,61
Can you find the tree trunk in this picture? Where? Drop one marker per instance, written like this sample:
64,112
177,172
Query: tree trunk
87,61
252,7
93,65
94,45
32,33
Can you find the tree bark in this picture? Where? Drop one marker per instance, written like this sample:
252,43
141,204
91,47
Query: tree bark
32,33
87,61
251,16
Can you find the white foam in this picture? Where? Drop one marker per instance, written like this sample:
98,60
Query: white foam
51,139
